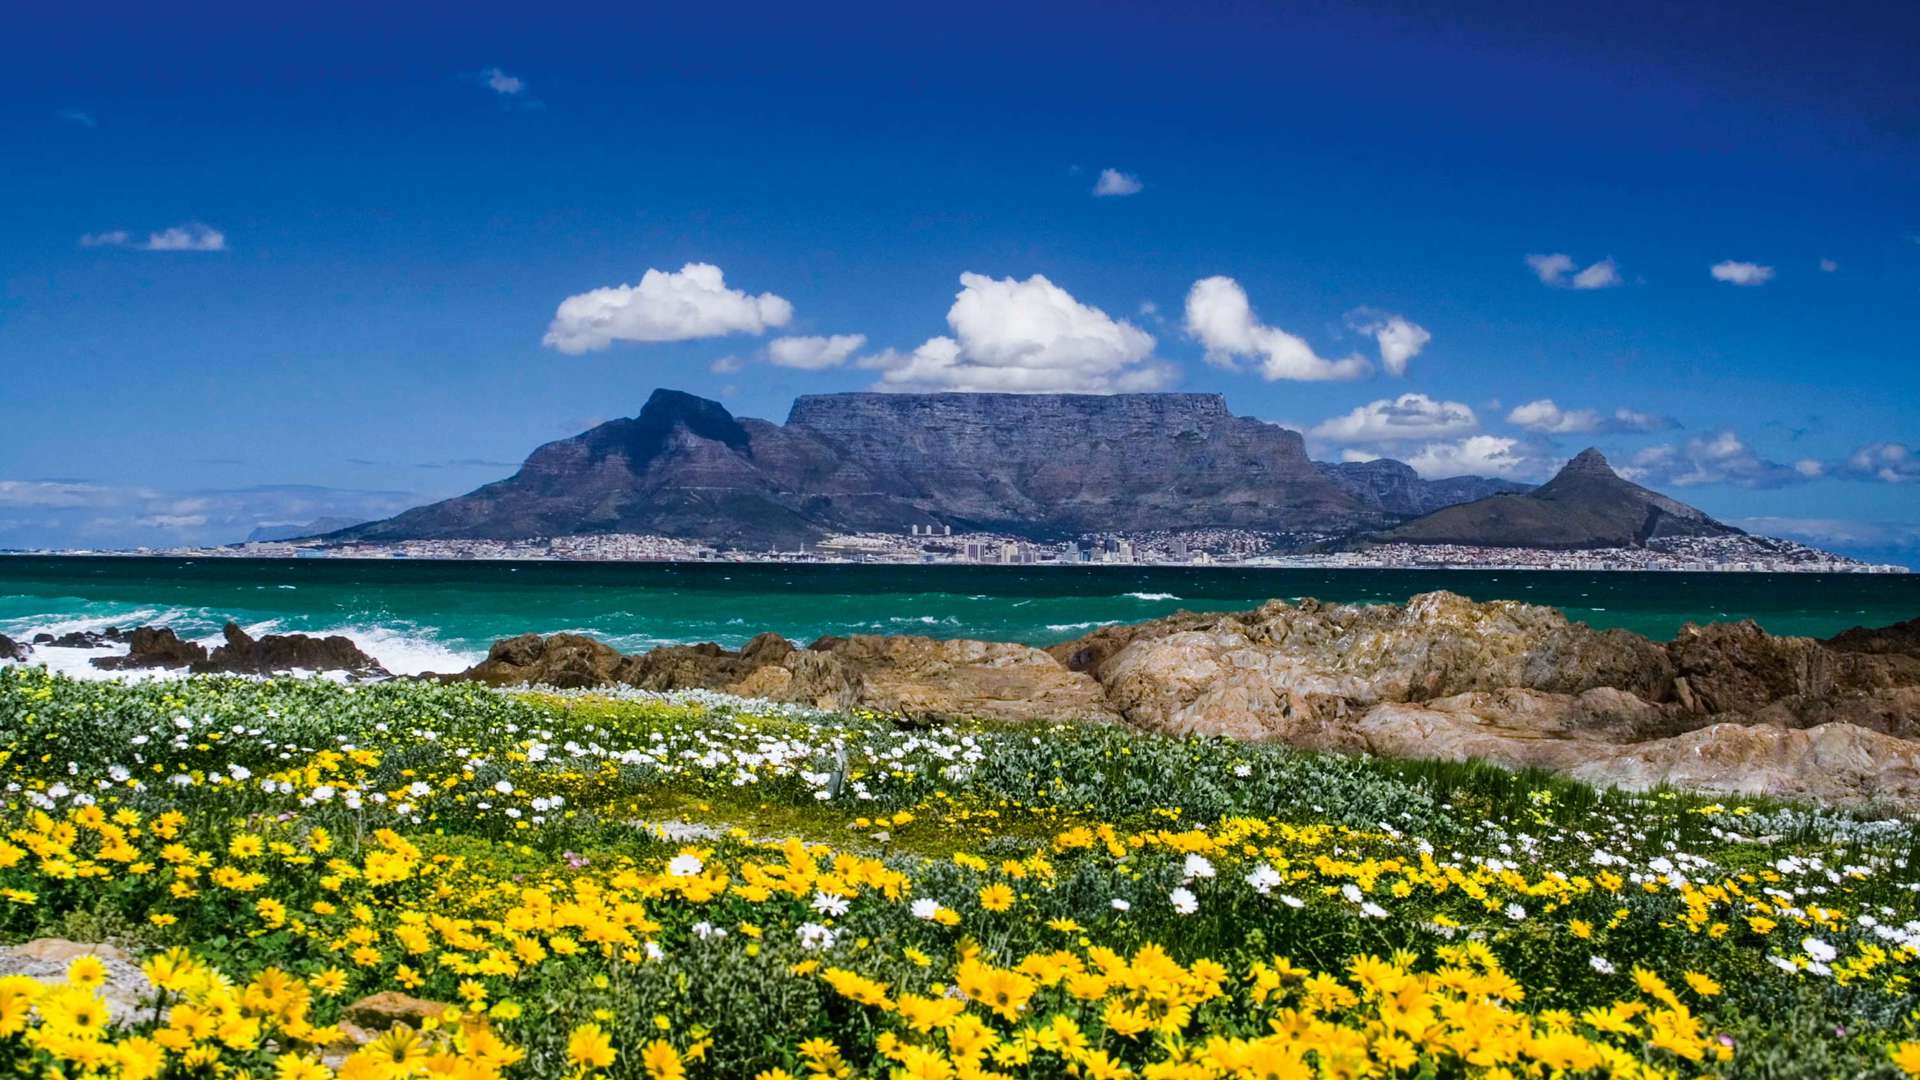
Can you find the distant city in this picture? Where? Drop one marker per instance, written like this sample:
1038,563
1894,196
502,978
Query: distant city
935,544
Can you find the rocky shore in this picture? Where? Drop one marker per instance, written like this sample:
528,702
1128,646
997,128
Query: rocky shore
1721,707
1724,706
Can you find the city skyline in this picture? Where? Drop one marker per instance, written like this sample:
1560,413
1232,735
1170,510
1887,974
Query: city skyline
257,277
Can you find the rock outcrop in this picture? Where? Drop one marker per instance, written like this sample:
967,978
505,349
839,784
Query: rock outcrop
242,654
11,649
913,677
127,993
1725,707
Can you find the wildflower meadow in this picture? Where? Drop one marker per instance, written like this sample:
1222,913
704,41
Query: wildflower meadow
586,885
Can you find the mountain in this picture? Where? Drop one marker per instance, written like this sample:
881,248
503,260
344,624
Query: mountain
1392,487
1586,505
1038,465
266,534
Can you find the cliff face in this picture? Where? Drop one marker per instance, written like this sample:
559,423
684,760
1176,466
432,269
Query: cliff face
1040,465
1392,487
1586,505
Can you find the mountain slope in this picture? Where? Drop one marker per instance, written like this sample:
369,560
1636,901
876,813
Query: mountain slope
1046,466
1586,505
1392,487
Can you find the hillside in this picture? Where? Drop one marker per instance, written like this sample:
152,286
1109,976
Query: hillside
1586,505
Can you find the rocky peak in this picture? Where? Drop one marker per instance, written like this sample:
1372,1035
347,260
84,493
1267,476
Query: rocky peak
1589,462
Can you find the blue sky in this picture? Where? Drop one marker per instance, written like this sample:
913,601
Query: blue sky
258,269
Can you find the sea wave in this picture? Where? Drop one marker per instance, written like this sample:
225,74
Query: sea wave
1153,596
1067,627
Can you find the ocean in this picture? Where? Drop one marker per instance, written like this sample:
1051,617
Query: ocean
441,616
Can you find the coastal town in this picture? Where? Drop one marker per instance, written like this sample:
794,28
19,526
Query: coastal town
933,545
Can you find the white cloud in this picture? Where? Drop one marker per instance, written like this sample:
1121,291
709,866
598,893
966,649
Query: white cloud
78,116
1400,339
1717,458
1220,317
1547,418
1888,462
1828,266
502,83
726,365
1550,269
59,513
1407,418
1741,273
1477,455
692,302
192,236
1115,182
1027,336
1601,275
1553,270
1837,532
814,353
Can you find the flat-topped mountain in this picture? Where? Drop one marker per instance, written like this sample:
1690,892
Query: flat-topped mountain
1586,505
1038,465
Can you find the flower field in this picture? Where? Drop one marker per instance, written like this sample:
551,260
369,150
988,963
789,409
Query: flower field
643,887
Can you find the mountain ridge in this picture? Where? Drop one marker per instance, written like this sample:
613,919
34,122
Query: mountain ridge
1041,466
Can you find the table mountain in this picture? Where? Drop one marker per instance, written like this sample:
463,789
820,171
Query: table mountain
1587,505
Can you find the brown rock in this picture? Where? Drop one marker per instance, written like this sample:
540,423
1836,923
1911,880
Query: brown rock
244,655
569,661
11,649
151,647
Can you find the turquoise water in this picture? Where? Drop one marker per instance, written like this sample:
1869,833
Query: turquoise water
440,615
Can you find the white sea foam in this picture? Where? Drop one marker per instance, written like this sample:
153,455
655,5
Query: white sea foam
1063,627
402,650
1153,596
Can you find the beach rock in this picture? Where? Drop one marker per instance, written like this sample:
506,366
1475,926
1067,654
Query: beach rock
126,990
84,639
11,649
569,661
1263,673
1724,707
151,647
1901,639
245,655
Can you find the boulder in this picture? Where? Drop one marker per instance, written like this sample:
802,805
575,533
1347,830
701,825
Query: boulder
245,655
1901,638
569,661
155,647
126,990
11,649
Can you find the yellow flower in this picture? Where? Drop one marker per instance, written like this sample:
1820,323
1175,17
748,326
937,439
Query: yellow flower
662,1061
589,1047
1906,1057
300,1067
996,897
87,971
1704,985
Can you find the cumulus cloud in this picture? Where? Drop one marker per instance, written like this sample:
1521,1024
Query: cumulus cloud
1027,336
502,83
1557,270
814,353
1400,339
727,365
192,236
1115,182
1887,462
1477,455
1837,532
1601,275
1407,418
66,513
692,302
1544,417
1718,458
1221,319
1741,273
